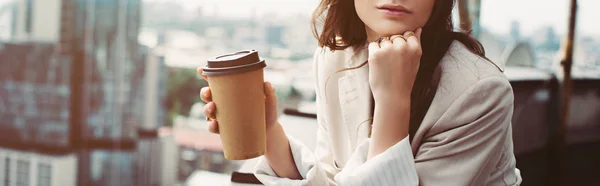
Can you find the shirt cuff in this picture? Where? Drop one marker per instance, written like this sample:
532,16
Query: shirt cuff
306,163
395,166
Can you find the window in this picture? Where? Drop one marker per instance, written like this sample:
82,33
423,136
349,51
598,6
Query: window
23,173
44,175
29,14
520,38
7,171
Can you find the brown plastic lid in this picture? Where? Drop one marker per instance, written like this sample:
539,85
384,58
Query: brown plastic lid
234,63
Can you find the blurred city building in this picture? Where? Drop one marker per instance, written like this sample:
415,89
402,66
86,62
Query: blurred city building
199,149
36,20
27,168
80,98
156,159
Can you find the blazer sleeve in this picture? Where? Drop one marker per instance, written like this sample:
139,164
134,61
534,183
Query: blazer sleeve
468,140
395,166
315,167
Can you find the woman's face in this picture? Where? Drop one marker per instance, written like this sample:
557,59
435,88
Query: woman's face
392,17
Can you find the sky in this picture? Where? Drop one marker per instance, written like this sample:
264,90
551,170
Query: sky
496,16
244,8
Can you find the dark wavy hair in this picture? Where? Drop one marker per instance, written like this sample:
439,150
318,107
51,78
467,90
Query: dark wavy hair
340,21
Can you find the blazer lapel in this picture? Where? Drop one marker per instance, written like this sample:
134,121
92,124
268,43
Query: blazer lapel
356,99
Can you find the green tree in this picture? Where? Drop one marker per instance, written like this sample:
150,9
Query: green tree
183,91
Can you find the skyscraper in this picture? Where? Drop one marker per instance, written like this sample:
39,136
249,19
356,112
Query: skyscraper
515,30
112,93
80,91
274,35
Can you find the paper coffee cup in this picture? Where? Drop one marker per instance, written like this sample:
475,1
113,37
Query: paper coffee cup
236,82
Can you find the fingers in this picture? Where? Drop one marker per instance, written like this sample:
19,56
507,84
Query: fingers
213,126
270,95
373,47
269,90
413,42
199,70
209,110
385,43
270,104
399,41
411,37
206,94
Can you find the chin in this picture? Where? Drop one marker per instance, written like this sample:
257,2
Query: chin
390,30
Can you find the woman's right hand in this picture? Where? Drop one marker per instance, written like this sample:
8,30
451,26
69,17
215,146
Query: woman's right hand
210,107
279,153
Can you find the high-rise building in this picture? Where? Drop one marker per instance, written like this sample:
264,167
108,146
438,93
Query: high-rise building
34,118
515,30
156,160
156,155
34,98
475,12
75,83
274,35
26,168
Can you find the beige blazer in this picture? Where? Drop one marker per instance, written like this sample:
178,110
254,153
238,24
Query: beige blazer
464,139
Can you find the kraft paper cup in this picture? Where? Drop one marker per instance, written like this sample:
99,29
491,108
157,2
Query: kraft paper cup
236,82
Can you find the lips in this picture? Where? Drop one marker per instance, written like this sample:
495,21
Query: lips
394,10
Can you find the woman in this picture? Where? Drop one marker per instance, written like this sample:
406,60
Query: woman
402,100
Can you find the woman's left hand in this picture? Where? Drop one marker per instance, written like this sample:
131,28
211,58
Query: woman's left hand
393,66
